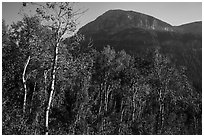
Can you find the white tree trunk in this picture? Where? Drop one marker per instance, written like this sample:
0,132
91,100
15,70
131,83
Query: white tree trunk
54,68
106,97
101,99
24,84
121,120
134,106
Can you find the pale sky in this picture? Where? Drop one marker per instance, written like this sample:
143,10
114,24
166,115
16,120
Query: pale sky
174,13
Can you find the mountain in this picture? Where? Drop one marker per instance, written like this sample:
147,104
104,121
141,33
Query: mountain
131,30
136,32
114,21
194,28
117,20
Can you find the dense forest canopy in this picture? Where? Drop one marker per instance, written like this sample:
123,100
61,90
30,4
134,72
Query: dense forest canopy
52,85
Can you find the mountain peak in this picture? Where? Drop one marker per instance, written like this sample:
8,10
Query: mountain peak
134,31
118,20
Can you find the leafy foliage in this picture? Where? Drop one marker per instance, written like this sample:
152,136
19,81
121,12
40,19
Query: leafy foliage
104,92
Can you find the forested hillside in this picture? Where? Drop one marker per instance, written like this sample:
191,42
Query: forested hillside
136,33
52,85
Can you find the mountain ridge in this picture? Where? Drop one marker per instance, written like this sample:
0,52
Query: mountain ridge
182,44
120,19
113,20
192,27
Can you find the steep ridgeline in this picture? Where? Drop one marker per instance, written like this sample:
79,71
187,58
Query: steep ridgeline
114,21
135,32
129,30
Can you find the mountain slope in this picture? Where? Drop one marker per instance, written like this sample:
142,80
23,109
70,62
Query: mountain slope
113,21
194,28
136,32
129,29
117,20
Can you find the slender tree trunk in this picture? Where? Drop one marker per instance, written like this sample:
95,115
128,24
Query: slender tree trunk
122,113
121,120
32,97
162,118
53,72
36,123
45,83
161,109
134,107
101,99
24,83
121,106
107,97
